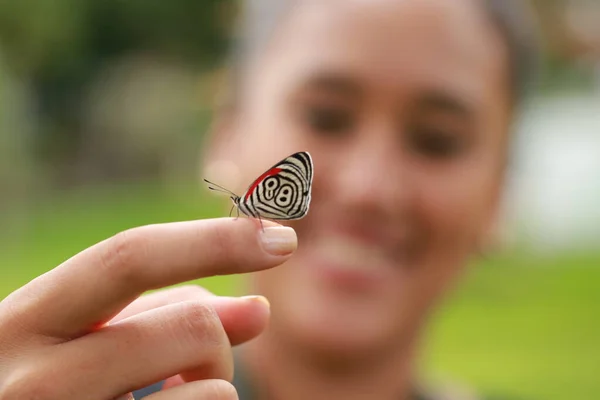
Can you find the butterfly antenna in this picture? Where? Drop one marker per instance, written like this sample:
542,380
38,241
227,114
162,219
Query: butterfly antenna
218,188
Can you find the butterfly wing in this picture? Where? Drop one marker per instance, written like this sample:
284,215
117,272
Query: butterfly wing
283,192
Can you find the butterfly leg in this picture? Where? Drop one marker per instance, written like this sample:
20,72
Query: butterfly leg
261,224
238,213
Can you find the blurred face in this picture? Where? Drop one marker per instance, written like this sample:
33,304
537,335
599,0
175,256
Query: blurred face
403,106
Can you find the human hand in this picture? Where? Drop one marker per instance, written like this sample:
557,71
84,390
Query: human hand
78,332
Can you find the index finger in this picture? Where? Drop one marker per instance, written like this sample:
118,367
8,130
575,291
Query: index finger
93,286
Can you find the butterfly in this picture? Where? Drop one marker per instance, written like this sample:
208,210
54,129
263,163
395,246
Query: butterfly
282,192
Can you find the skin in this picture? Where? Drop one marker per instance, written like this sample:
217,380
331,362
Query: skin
80,330
402,104
405,110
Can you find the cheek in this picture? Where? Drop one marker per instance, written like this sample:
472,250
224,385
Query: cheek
452,211
458,205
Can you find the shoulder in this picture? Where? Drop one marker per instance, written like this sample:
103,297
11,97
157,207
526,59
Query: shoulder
457,392
147,391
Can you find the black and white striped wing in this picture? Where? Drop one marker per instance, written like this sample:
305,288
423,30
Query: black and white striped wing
282,192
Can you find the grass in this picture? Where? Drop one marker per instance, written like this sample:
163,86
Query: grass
524,327
518,325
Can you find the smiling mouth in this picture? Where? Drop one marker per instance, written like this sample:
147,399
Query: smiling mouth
353,263
351,253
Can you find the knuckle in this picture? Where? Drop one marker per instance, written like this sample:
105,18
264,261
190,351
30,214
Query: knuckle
223,246
26,383
12,321
221,390
201,329
220,242
201,323
122,255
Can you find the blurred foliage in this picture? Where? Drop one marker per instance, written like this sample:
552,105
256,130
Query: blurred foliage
65,39
60,45
61,51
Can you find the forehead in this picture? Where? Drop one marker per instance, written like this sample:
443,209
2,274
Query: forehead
391,45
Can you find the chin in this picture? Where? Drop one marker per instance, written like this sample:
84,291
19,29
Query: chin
341,336
342,323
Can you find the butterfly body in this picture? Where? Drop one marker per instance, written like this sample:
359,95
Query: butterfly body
283,192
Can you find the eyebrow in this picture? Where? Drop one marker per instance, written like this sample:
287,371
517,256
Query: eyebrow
338,83
430,100
444,102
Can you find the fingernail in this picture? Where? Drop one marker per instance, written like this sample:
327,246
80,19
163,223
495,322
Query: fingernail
279,240
260,299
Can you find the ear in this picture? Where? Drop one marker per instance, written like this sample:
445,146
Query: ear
220,131
220,136
490,237
220,146
488,240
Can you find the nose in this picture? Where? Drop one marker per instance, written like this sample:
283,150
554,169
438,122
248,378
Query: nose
369,177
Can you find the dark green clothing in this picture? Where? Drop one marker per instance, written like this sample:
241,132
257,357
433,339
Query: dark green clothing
246,391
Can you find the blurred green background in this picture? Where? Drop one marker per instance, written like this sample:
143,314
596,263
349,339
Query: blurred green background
103,105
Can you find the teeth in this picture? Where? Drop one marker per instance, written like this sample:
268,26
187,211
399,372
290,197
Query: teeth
350,253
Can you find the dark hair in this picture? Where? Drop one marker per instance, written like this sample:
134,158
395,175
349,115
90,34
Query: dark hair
516,21
513,18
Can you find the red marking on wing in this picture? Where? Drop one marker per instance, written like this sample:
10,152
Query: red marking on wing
272,171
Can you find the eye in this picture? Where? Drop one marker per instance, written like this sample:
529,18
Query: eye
435,142
329,120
